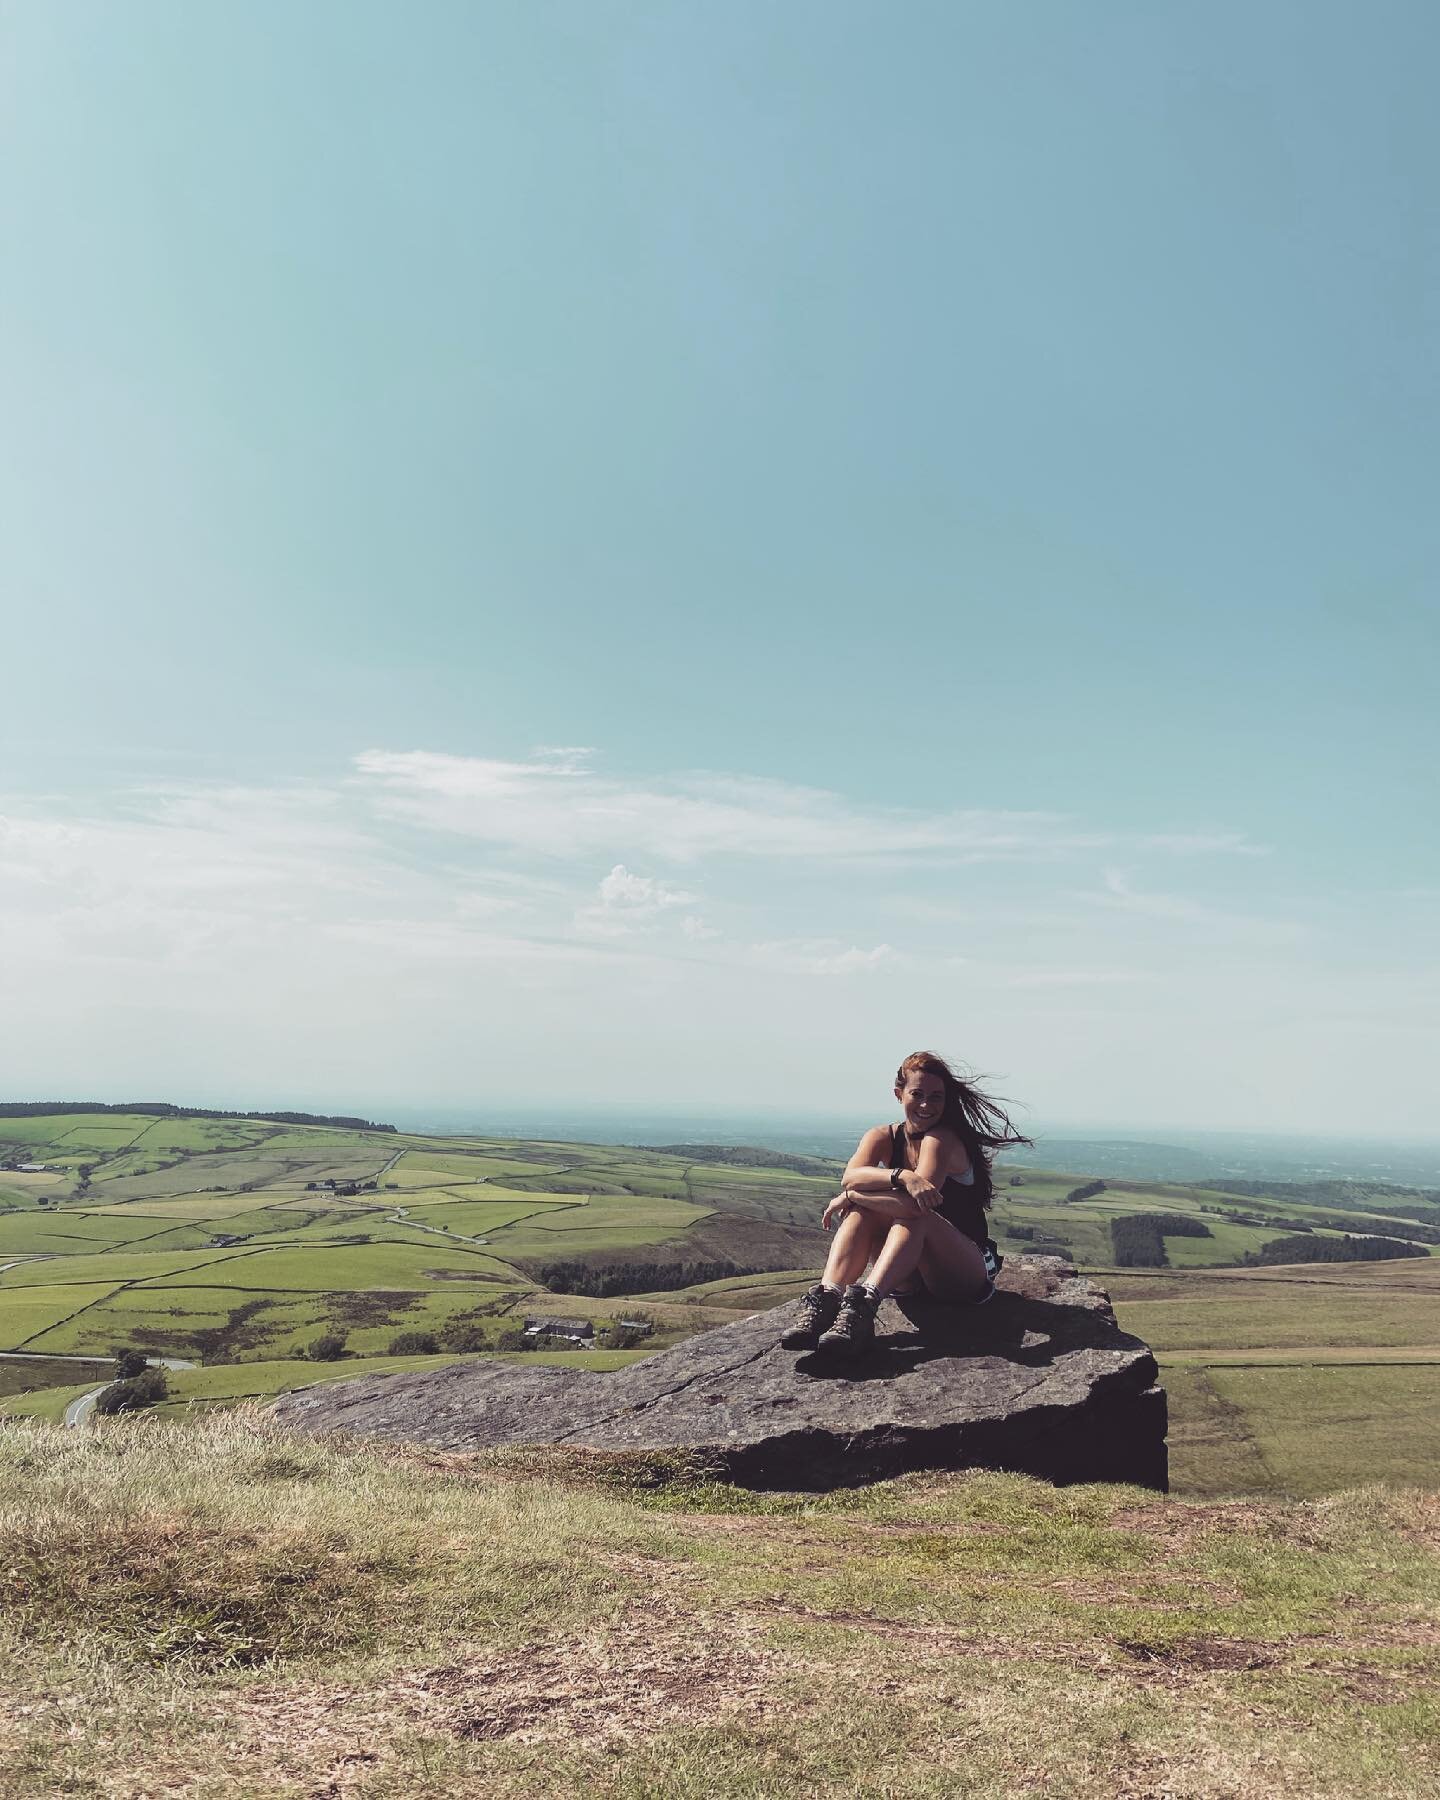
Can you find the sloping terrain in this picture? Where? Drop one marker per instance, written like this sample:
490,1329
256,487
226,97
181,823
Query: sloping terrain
218,1610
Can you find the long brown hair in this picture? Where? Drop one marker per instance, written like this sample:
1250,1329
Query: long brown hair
981,1125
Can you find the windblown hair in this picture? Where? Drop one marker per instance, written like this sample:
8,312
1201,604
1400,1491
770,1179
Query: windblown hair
982,1126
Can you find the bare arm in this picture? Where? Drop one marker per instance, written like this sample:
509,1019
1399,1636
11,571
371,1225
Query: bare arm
868,1180
867,1173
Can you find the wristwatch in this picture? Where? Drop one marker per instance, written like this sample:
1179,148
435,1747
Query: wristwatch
895,1175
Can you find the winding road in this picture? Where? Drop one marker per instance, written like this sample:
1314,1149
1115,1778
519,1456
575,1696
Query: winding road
79,1410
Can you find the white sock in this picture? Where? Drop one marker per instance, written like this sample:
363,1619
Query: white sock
831,1288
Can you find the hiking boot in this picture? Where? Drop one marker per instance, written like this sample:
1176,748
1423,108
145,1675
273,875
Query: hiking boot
854,1330
818,1307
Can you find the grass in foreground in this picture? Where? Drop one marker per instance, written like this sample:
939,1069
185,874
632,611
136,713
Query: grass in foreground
220,1609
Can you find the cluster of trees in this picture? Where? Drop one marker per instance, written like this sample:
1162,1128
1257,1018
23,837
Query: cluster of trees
1137,1242
136,1385
1087,1192
603,1279
1315,1249
1180,1225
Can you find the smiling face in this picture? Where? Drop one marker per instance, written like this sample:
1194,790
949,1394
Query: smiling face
923,1097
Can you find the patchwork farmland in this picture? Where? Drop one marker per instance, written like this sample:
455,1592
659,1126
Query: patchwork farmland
236,1244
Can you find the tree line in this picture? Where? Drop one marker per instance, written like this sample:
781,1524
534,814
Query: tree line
1137,1240
163,1109
601,1279
1318,1249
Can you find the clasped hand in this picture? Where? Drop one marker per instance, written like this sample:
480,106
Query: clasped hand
923,1195
837,1209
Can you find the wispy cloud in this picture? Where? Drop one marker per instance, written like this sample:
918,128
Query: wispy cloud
822,956
531,861
1118,895
1067,978
558,806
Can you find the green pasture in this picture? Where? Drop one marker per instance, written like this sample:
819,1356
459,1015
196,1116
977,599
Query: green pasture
228,1171
736,1290
1321,1428
234,1384
46,1403
708,1174
1294,1381
735,1294
491,1193
332,1228
1301,1431
429,1196
1227,1244
31,1189
118,1265
609,1222
26,1314
341,1268
170,1322
73,1131
1281,1315
69,1233
439,1169
256,1326
477,1218
182,1209
406,1176
1036,1185
773,1203
646,1186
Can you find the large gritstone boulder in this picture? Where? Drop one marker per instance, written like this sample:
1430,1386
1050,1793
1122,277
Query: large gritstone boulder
1041,1380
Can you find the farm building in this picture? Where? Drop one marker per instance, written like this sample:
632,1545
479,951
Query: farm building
580,1330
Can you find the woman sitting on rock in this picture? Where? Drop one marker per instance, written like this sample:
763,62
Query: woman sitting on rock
911,1210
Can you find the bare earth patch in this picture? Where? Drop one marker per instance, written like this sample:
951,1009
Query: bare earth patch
660,1669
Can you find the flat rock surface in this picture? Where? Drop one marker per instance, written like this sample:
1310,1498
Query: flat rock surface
1041,1379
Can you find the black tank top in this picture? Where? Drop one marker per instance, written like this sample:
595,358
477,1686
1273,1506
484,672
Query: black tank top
959,1202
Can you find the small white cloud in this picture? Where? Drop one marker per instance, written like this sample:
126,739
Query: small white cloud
697,928
625,902
1203,843
822,956
640,893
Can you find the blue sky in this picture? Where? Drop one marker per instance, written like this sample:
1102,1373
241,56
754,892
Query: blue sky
634,551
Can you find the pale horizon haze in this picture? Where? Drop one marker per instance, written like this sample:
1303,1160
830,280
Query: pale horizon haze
664,556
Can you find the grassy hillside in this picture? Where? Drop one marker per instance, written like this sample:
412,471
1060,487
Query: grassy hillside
235,1242
219,1610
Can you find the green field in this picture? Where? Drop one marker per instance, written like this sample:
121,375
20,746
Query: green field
1294,1381
1281,1380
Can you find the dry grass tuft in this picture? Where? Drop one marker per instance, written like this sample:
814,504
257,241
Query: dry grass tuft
166,1590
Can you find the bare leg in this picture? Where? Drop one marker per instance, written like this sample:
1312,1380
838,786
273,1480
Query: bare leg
858,1237
949,1263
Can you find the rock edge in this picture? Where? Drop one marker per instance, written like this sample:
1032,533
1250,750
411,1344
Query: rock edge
1040,1381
